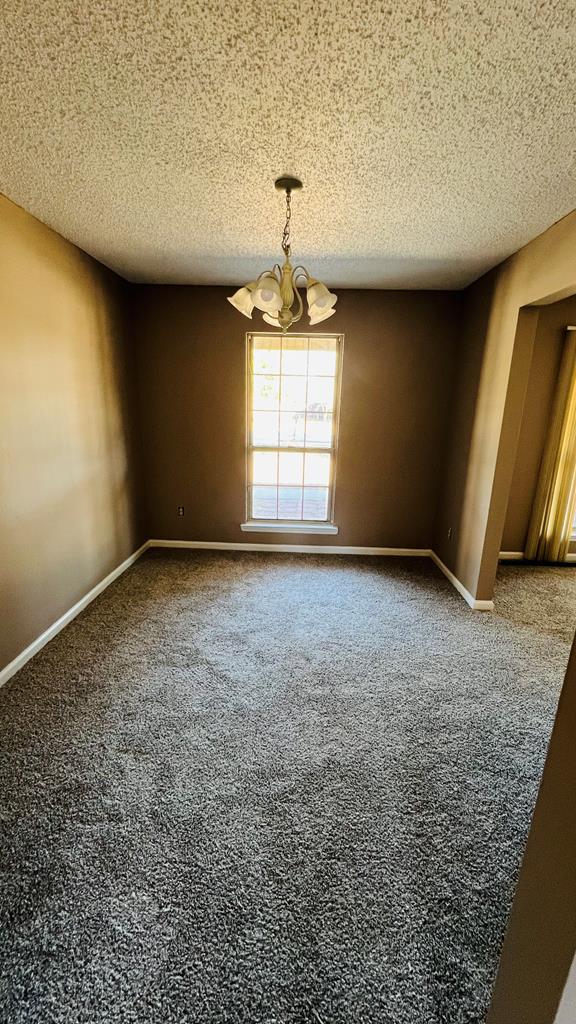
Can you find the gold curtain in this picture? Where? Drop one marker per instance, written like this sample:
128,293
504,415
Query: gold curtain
550,529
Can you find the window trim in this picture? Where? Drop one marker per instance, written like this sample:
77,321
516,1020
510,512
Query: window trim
314,526
294,525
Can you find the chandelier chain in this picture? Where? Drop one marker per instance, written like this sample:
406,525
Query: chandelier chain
286,232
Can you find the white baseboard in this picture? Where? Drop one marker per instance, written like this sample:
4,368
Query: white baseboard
518,556
298,549
475,604
40,641
332,549
316,549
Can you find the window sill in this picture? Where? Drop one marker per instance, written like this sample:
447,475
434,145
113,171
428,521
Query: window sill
256,526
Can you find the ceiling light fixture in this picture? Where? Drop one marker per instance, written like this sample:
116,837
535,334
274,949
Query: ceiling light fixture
276,290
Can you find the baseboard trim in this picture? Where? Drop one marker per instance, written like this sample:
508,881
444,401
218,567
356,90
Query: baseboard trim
317,549
299,549
331,549
518,556
40,641
475,604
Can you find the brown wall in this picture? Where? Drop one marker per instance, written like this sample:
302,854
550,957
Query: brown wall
399,355
499,339
548,344
66,491
540,941
476,303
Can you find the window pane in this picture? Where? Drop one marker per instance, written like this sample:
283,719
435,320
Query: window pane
291,425
317,470
265,392
292,428
289,503
266,355
291,465
295,355
319,430
265,428
264,468
320,394
322,359
315,503
293,393
264,502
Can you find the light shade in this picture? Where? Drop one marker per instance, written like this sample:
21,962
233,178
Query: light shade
321,315
242,299
269,319
266,295
319,298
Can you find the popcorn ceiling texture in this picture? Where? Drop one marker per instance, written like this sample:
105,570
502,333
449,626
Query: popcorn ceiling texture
434,138
273,789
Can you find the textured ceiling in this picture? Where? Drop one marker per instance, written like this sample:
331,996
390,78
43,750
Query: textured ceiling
434,137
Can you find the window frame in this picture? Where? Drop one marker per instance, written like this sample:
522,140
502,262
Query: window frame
294,525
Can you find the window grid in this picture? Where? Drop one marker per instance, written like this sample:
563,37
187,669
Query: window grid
310,495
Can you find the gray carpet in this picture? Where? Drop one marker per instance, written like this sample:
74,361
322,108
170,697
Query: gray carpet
276,790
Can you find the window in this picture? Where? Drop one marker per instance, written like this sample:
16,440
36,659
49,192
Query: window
293,398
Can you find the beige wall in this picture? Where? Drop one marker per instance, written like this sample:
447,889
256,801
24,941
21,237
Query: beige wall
500,339
399,355
540,940
66,489
567,1008
548,343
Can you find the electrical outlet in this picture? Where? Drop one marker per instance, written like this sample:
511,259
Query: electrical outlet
180,510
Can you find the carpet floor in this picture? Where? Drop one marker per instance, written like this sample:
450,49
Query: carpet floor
274,789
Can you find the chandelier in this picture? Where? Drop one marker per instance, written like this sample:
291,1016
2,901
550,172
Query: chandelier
276,293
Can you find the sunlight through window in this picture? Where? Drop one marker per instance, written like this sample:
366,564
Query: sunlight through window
293,394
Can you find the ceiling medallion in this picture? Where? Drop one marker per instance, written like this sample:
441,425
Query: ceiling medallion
276,293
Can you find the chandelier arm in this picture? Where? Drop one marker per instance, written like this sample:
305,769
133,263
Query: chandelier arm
300,271
298,296
265,273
